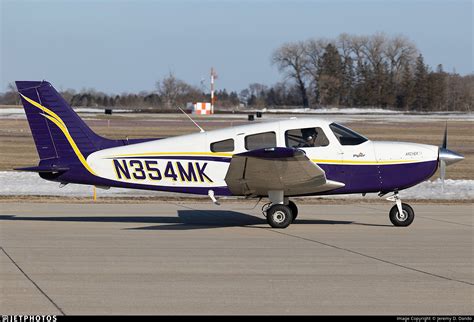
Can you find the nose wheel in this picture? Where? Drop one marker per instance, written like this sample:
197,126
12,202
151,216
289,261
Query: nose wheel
403,219
402,214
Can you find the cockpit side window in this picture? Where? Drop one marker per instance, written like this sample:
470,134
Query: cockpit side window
346,136
260,141
223,146
306,138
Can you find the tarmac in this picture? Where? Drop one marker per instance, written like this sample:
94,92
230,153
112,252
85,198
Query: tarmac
197,258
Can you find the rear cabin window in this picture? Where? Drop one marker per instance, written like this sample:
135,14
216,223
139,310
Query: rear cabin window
306,138
260,141
346,136
223,146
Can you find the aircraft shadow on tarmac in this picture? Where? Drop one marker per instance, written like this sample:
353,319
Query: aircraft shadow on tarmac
204,219
186,220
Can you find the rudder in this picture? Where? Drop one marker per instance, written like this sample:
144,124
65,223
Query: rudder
52,120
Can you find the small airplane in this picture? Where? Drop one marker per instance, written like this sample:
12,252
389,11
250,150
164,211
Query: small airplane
278,160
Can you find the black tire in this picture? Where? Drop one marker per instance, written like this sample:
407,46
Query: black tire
294,209
279,216
406,219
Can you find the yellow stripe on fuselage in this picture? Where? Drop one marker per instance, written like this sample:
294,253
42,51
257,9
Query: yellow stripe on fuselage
220,154
382,162
215,154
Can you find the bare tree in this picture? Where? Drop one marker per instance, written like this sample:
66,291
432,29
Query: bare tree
344,43
11,96
171,88
257,89
357,45
399,52
291,59
373,50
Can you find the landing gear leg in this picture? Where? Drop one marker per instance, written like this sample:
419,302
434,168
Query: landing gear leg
401,215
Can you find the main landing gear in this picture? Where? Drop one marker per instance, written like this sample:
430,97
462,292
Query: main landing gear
280,215
401,215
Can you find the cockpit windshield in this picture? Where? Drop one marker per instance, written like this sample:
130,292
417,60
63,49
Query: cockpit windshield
346,136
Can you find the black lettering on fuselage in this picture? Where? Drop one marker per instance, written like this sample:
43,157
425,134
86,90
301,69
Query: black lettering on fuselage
156,171
153,172
200,171
121,169
138,172
169,171
190,175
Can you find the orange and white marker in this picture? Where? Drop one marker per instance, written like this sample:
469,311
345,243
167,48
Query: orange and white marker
202,108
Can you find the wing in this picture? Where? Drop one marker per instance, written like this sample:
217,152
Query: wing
258,171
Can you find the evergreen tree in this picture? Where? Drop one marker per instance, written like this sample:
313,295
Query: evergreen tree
437,89
421,90
330,80
406,93
348,78
362,85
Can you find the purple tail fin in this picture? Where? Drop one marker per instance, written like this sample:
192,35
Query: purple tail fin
62,138
48,114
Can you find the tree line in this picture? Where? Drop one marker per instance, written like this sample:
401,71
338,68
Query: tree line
169,93
349,71
376,70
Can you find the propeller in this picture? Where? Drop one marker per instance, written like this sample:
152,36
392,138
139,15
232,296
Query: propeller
446,157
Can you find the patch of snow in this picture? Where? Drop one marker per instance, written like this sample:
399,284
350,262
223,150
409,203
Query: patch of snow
14,183
453,189
27,183
11,110
12,113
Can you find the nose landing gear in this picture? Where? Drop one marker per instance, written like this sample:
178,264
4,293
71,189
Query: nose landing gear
402,214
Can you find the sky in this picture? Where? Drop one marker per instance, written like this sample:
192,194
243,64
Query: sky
126,46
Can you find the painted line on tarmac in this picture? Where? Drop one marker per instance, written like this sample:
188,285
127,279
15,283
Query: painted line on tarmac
372,257
33,282
449,222
349,251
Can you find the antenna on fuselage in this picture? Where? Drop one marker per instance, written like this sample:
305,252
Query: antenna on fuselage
189,117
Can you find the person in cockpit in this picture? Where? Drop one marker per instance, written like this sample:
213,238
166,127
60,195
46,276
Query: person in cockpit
309,137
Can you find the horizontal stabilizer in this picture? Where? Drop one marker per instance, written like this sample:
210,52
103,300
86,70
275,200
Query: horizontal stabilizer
43,169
